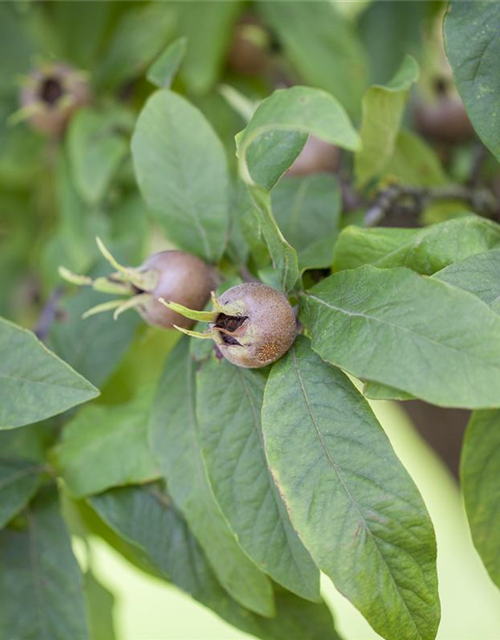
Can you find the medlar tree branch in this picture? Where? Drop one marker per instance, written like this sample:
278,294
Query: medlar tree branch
481,200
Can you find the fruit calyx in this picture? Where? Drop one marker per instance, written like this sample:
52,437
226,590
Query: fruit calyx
136,284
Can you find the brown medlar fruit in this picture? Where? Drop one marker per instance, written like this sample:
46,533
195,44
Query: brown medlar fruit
173,275
252,324
443,119
317,156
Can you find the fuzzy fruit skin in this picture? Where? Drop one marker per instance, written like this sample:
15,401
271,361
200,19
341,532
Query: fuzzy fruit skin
445,120
268,332
52,117
183,278
317,156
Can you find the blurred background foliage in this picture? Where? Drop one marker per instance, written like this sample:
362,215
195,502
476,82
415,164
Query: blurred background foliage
57,192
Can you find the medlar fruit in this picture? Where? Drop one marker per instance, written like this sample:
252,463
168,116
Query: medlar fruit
317,156
252,324
443,119
51,94
175,275
249,54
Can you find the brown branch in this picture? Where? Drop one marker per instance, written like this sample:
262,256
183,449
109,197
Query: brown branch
481,200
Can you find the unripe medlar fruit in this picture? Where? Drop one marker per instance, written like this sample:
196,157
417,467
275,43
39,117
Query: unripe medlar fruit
172,275
252,324
183,278
51,94
444,119
317,156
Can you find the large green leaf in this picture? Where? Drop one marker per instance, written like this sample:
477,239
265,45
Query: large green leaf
479,471
322,45
279,127
182,172
34,383
351,501
106,446
208,28
97,145
473,48
16,48
146,518
383,108
19,479
307,210
424,250
231,436
479,274
175,442
41,592
93,346
416,334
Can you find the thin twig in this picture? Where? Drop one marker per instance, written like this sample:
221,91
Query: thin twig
482,201
48,314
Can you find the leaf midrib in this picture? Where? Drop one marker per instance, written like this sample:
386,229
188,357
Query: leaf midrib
345,487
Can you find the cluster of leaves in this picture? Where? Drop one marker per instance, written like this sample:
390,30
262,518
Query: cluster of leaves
240,486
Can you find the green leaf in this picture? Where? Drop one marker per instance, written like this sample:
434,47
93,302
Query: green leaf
283,255
94,346
147,519
182,172
35,384
357,246
377,391
323,46
351,501
416,334
162,71
424,250
231,437
208,28
402,26
97,145
473,48
16,48
285,119
176,443
415,162
107,446
307,210
40,583
138,38
383,108
479,274
100,608
19,479
479,472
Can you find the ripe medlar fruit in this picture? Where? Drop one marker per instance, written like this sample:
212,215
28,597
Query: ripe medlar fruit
317,156
174,275
51,94
443,119
252,324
